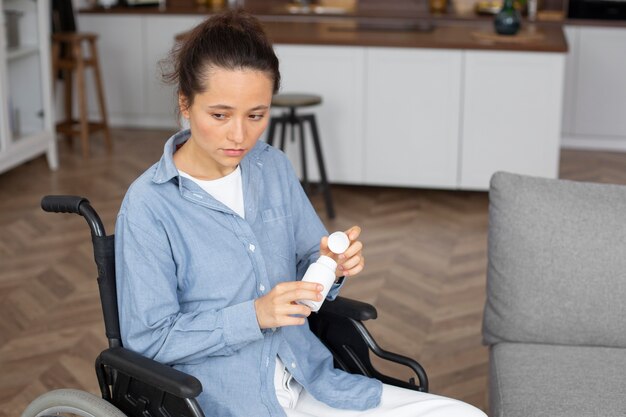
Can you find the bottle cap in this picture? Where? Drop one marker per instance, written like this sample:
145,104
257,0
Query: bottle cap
338,242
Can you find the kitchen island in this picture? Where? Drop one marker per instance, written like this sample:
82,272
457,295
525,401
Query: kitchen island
442,109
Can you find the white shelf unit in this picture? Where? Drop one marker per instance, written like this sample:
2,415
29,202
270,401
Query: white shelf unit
26,113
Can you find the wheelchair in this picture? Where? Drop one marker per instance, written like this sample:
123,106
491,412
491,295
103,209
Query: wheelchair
132,385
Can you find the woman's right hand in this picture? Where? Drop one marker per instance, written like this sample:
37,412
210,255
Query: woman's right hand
278,307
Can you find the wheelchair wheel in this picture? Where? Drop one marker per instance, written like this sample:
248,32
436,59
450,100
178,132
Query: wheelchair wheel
71,402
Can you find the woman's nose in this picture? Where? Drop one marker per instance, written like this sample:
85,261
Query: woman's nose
236,132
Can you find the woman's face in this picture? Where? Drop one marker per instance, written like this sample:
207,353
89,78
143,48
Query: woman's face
226,121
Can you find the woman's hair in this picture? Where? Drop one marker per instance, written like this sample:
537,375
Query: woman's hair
230,40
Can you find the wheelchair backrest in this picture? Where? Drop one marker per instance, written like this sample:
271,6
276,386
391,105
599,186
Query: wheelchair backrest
104,255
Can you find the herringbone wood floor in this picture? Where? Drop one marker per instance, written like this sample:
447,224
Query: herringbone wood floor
425,251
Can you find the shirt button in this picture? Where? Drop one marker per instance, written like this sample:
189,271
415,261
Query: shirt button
293,365
262,287
251,247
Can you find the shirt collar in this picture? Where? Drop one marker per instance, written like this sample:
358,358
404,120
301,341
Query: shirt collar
166,169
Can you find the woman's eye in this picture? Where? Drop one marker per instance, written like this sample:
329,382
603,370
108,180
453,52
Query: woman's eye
218,116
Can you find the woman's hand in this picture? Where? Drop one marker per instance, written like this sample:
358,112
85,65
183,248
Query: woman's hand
351,262
278,307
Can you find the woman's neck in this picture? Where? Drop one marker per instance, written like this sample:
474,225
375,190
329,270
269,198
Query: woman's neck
190,159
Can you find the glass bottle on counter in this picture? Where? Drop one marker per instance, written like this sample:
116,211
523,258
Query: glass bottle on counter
507,21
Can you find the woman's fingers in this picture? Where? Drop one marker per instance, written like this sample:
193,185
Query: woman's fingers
353,233
278,307
299,294
324,244
288,292
293,321
295,309
354,270
354,249
350,263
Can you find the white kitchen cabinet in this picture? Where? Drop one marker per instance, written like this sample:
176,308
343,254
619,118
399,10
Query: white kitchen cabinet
595,96
601,88
121,52
511,115
335,73
160,32
571,70
130,57
412,117
26,111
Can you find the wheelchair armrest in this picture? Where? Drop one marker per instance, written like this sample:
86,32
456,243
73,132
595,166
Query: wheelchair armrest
161,376
349,308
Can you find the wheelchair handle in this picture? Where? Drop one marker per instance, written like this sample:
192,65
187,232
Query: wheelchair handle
62,203
77,205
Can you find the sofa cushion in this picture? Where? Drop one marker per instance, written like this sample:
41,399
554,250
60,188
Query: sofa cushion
557,262
531,380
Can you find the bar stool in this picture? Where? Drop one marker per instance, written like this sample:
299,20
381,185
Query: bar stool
74,62
289,118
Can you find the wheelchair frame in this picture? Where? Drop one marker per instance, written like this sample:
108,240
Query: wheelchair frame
141,387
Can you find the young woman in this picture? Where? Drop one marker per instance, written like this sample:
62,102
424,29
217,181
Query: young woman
212,241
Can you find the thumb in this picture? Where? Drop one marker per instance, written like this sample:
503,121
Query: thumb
324,246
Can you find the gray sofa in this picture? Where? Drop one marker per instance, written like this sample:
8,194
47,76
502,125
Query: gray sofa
555,315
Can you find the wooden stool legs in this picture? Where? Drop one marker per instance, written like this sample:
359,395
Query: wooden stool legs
74,61
82,98
68,85
320,161
100,92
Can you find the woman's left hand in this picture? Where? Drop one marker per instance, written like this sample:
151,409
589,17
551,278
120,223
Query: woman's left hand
351,262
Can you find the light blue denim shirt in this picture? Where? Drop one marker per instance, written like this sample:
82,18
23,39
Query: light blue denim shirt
189,270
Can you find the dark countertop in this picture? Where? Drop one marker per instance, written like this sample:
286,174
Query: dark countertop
274,13
445,35
374,29
596,23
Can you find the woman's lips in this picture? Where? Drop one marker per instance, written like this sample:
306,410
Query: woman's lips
234,152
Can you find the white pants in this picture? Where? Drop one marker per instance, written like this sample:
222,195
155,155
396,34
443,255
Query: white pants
396,402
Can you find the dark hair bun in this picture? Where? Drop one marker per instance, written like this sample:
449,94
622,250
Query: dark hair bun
233,39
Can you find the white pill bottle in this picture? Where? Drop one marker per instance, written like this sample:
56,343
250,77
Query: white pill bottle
323,270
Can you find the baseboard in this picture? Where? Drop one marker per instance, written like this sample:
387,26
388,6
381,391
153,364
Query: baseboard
595,143
140,121
144,122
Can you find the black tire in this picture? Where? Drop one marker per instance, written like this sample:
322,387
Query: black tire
71,402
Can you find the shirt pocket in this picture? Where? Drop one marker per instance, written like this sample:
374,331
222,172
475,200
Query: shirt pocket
278,227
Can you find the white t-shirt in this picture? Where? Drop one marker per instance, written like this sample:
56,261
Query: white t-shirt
227,190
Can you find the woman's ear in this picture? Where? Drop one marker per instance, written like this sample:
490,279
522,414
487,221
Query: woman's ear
183,105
